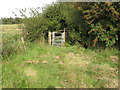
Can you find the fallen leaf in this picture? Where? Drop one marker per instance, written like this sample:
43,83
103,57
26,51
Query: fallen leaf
57,57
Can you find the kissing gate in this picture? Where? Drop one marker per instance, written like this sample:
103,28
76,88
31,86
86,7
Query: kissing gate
56,38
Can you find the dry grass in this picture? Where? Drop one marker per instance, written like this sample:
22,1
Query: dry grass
30,72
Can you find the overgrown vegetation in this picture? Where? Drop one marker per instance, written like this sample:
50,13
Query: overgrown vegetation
43,66
89,60
90,24
11,45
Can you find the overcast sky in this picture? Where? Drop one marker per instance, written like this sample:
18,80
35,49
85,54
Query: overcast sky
8,6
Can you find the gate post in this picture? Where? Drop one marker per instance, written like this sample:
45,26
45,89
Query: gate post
64,36
49,38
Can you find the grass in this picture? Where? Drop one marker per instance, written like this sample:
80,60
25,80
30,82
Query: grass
10,28
43,66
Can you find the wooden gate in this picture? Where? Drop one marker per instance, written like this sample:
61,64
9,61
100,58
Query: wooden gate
57,38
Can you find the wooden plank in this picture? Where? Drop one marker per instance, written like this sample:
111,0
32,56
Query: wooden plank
49,38
64,36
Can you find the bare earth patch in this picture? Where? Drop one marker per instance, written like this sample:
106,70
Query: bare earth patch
44,62
57,57
32,61
30,72
77,59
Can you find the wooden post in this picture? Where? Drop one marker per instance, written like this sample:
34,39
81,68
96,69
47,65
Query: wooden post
53,38
49,38
64,37
22,39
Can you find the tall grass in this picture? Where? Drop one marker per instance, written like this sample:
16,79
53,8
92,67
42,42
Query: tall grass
11,45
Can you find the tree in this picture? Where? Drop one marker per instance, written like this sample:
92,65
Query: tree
103,19
37,26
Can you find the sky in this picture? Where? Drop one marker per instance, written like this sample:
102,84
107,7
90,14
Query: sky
9,6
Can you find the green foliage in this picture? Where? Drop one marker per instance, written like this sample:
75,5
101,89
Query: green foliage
38,25
79,19
54,16
109,36
103,18
34,28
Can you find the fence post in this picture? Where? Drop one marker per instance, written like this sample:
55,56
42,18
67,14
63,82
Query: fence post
22,39
49,38
64,37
